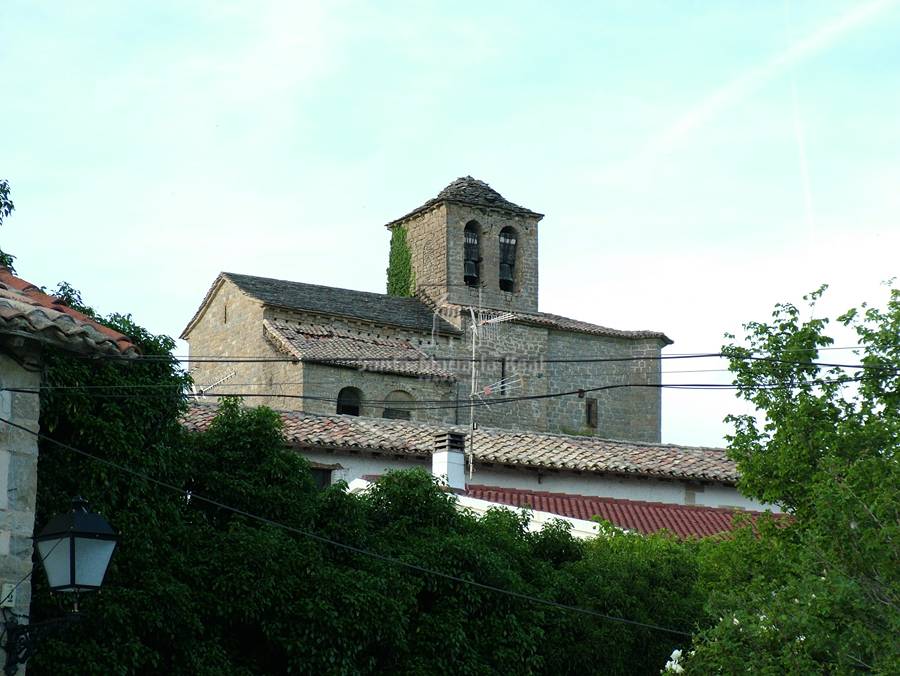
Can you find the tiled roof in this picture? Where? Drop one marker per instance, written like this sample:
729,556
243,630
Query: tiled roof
644,517
27,311
324,344
566,324
468,190
409,313
561,323
502,447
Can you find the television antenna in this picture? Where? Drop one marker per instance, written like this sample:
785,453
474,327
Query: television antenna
485,328
200,392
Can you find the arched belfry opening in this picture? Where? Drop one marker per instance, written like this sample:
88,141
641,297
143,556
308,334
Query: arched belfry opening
467,238
508,242
472,254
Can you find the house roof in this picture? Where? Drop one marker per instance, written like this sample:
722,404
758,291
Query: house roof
409,313
471,191
27,311
327,345
685,521
554,452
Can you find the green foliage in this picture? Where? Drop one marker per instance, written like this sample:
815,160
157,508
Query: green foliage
821,594
195,589
400,276
6,209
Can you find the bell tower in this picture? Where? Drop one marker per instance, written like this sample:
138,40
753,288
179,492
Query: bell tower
467,241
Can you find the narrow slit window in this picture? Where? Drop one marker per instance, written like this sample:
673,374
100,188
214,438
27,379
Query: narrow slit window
472,254
590,412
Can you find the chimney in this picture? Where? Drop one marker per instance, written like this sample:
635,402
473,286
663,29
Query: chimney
448,460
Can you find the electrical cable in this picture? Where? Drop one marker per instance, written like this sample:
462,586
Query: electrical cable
191,496
29,573
440,404
343,361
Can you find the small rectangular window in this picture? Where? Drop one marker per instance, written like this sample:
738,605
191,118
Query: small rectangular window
321,477
590,412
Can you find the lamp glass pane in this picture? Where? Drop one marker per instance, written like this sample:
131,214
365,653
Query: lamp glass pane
55,555
91,559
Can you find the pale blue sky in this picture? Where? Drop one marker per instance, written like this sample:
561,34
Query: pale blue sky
697,161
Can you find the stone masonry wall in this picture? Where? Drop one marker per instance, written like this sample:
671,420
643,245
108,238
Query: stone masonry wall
426,236
436,399
525,295
632,413
232,326
435,239
18,479
523,347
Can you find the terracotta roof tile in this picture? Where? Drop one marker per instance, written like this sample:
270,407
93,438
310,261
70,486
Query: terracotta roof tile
328,345
685,521
26,310
502,447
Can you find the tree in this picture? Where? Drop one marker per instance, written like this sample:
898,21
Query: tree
195,588
820,594
6,209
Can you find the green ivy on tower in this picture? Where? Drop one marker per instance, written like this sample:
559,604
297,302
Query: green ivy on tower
400,277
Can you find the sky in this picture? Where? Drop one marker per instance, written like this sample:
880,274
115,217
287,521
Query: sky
697,161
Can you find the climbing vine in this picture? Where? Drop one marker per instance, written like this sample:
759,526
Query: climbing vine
400,278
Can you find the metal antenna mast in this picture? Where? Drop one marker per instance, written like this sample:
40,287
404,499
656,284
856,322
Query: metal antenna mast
482,325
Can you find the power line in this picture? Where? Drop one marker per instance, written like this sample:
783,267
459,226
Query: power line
513,360
12,591
673,355
190,495
444,404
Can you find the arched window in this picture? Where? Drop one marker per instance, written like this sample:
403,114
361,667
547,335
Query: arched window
508,240
472,254
348,401
398,405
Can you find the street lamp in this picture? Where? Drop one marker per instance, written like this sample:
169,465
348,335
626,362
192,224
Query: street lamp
75,549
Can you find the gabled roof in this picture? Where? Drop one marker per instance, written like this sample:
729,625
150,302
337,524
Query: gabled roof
471,191
408,313
27,311
501,447
327,345
685,521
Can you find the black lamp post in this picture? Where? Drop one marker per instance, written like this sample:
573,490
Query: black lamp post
75,549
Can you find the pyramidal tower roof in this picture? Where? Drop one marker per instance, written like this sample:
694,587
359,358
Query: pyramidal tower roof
468,190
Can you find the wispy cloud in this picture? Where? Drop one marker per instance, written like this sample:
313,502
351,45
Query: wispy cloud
738,89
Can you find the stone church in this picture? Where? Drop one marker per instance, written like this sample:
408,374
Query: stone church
566,415
463,268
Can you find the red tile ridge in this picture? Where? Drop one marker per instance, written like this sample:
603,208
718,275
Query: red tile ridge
35,296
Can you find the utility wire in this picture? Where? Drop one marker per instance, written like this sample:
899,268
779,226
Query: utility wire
344,361
671,355
428,359
30,572
191,496
441,404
